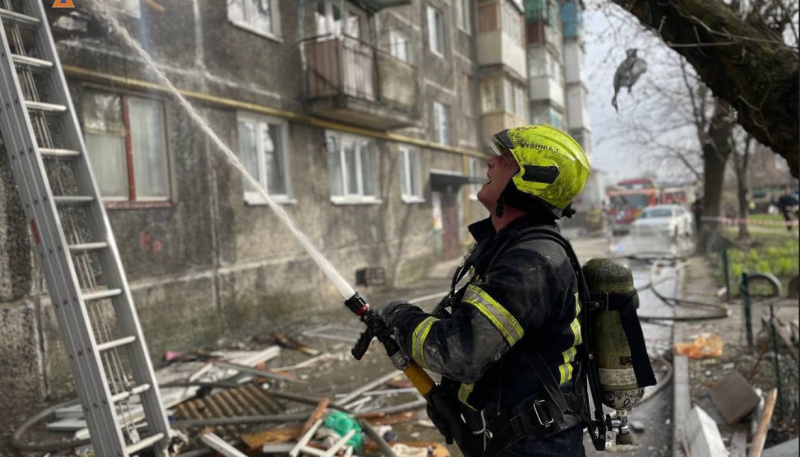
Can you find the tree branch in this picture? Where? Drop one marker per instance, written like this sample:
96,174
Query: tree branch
757,76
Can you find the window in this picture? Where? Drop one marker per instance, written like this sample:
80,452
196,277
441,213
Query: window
127,145
352,168
512,22
492,95
436,31
463,12
410,182
476,170
262,149
520,102
328,17
399,45
546,114
542,63
260,16
441,123
466,97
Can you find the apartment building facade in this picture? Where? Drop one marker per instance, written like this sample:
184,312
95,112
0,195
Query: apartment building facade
361,118
556,71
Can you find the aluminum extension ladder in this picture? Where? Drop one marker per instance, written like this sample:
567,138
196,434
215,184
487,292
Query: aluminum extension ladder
73,241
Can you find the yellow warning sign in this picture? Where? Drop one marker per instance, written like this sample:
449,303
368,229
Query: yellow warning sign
63,4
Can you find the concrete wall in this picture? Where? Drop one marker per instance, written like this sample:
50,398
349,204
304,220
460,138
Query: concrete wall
225,267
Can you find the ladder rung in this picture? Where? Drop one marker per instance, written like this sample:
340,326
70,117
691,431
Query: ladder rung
32,62
125,395
88,247
47,107
50,152
72,199
18,18
116,343
101,294
147,442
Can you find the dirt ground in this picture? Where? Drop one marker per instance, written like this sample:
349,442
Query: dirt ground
738,356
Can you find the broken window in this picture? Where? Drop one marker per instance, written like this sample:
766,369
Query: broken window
260,16
262,148
352,168
127,145
328,17
410,175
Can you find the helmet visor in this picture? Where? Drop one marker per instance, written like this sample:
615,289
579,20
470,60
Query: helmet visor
501,143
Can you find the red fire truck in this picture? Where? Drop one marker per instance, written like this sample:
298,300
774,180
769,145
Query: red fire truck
628,199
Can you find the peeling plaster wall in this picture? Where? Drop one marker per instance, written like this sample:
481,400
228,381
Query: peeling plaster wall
211,265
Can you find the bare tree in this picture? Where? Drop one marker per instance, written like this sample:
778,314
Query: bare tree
741,156
739,52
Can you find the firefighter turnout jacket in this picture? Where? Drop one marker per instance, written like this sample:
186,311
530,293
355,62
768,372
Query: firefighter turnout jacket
522,295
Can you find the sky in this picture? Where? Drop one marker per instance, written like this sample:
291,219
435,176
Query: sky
609,32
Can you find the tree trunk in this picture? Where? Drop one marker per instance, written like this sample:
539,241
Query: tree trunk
741,61
741,191
740,163
716,150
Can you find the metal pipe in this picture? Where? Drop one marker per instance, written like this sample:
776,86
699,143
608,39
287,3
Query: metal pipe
386,450
748,321
369,386
777,364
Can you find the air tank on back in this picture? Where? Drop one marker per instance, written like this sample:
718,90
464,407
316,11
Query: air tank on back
614,360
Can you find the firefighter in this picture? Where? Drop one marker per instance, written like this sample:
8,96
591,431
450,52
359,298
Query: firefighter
508,342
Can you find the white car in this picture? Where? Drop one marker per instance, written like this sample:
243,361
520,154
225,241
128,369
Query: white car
665,220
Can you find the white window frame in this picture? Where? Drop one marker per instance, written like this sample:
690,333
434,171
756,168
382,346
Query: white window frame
464,11
359,198
275,35
441,127
474,166
410,167
397,41
436,32
254,197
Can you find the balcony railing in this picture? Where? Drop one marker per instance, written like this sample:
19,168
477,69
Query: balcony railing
351,79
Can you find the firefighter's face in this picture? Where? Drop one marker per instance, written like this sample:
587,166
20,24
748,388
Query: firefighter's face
501,168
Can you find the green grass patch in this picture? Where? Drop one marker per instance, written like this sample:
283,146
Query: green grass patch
766,217
777,255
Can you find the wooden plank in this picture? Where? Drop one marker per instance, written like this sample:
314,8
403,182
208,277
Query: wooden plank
259,439
760,437
315,416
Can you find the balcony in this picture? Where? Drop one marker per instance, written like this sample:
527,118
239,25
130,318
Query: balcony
498,48
492,123
350,81
545,89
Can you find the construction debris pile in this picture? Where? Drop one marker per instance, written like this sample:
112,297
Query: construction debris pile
249,402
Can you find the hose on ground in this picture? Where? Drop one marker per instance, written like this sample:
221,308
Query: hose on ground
723,312
663,383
